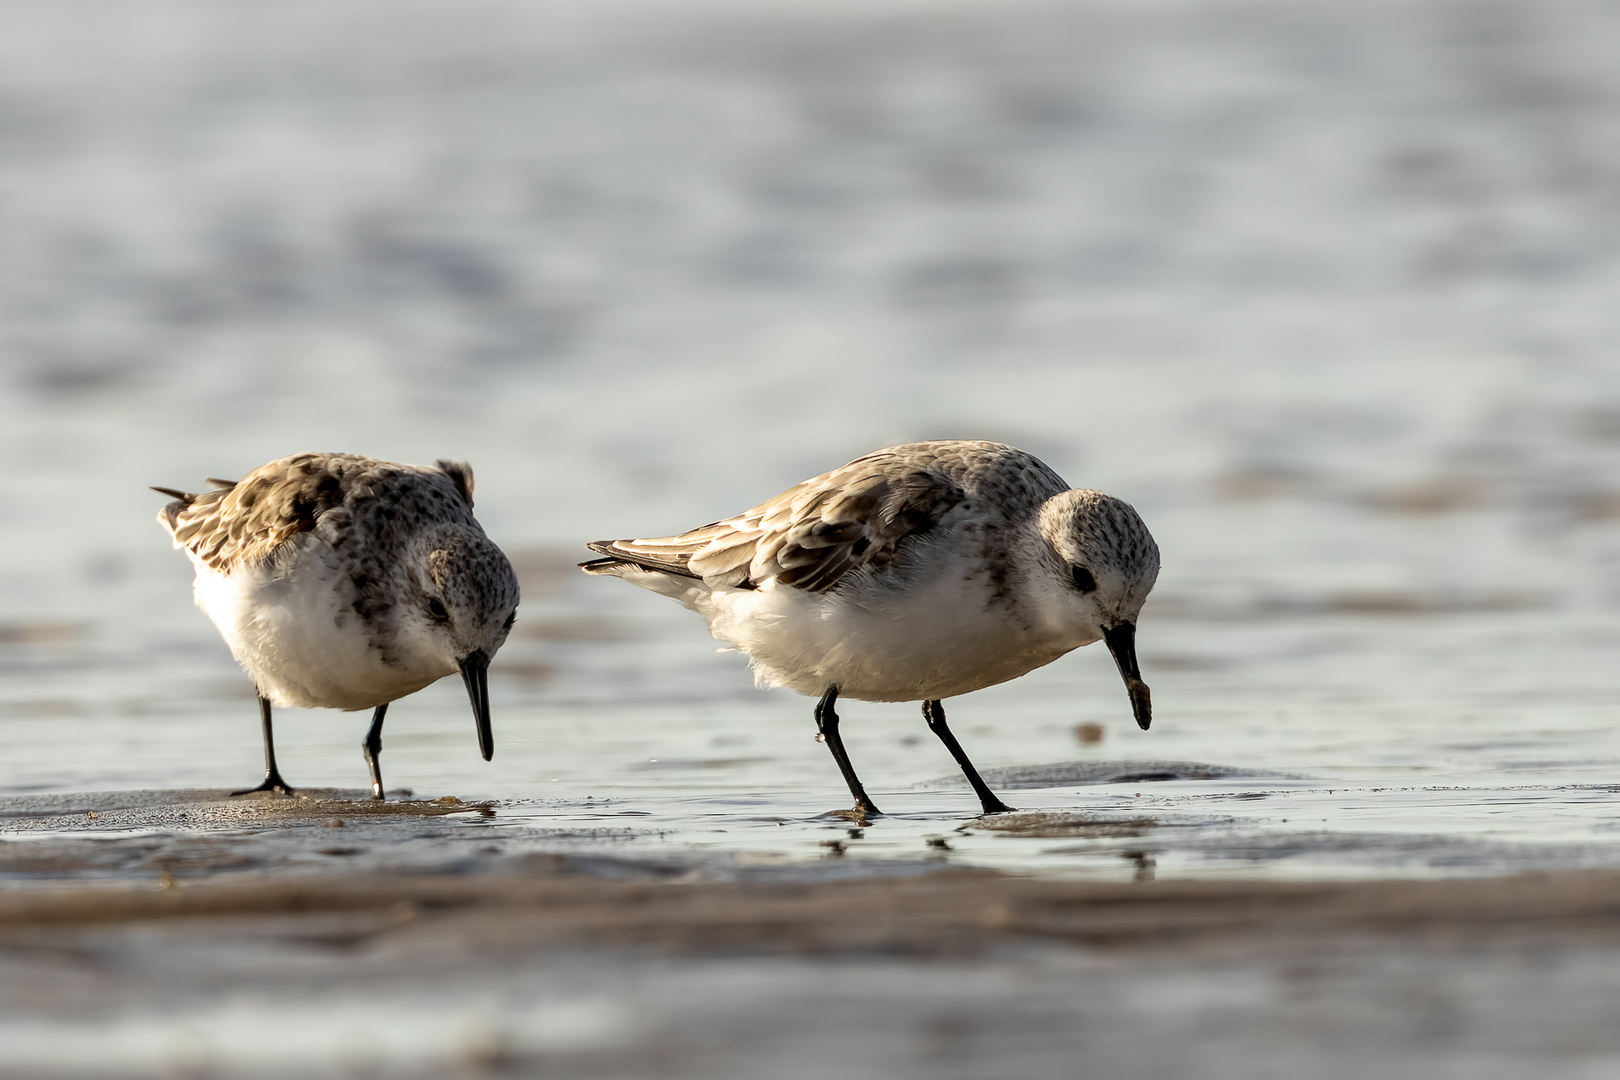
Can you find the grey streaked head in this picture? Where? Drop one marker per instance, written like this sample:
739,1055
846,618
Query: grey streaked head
458,602
1100,566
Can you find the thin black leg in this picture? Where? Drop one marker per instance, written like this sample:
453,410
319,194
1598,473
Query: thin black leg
372,748
272,775
827,725
934,713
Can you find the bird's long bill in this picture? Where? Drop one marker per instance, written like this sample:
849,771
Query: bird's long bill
1121,639
475,673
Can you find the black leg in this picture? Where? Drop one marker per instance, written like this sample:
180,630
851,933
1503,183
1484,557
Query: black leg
934,713
827,725
372,748
272,775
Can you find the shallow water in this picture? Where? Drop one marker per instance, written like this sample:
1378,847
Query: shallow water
1326,294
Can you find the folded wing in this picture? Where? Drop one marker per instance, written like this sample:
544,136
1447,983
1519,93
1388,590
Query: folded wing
244,522
811,536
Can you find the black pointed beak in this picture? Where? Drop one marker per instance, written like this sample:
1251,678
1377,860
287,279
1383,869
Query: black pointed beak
475,673
1121,639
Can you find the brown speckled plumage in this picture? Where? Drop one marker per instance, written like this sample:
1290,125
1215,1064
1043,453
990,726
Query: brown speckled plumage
345,582
858,517
245,521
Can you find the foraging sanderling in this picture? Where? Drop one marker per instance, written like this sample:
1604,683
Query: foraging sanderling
913,573
343,582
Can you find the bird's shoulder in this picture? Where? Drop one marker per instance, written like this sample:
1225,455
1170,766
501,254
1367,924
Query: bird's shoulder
243,522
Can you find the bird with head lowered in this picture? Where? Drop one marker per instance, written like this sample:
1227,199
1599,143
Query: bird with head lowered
913,573
344,582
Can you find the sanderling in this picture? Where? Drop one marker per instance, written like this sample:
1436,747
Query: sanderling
343,582
914,573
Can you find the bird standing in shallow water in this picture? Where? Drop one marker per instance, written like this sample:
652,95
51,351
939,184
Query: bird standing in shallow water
343,582
914,573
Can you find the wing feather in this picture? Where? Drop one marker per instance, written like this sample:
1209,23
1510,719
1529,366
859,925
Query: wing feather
813,535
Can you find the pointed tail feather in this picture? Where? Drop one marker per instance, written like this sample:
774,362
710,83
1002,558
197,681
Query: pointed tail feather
616,553
169,515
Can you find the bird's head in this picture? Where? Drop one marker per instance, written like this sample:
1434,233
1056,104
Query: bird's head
1099,565
460,603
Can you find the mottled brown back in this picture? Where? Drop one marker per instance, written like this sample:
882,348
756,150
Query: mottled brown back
244,522
861,515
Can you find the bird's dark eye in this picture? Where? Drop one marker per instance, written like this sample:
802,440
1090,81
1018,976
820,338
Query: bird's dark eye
436,609
510,619
1083,580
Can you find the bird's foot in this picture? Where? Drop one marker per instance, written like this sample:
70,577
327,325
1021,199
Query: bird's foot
996,806
856,815
272,782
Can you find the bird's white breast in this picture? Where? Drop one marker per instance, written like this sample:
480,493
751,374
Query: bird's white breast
942,634
288,623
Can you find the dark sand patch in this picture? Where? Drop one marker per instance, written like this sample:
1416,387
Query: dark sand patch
931,914
215,808
1081,773
1048,824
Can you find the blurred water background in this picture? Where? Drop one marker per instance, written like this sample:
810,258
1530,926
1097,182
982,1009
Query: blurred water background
1328,292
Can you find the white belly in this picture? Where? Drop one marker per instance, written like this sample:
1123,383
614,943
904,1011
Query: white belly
291,628
935,641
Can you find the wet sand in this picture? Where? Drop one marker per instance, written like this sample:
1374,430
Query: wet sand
558,900
189,935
